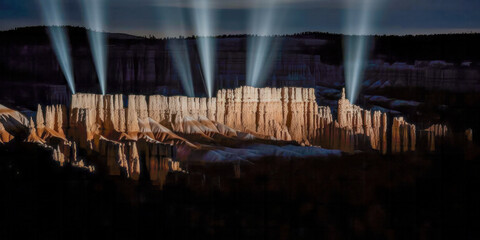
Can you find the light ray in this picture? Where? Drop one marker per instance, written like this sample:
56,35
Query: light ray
204,24
261,48
52,15
172,22
94,15
357,44
181,61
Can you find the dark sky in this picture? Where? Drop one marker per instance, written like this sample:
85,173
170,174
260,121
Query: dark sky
144,17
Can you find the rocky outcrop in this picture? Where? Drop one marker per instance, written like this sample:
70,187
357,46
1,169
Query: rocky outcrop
138,136
283,113
360,128
158,159
102,124
124,158
403,136
33,136
51,123
435,136
126,136
48,132
66,153
5,136
13,122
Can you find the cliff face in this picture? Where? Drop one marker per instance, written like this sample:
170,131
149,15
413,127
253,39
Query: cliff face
282,113
123,133
49,132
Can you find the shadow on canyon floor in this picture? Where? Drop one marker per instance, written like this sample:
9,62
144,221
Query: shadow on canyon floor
362,196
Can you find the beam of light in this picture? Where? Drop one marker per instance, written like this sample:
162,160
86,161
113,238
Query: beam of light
173,22
203,24
357,45
178,48
261,49
94,14
52,15
356,56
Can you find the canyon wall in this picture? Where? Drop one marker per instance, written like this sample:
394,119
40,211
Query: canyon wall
285,114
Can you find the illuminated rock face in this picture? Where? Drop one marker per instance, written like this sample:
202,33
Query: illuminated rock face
282,113
357,127
141,137
146,128
50,133
287,114
123,134
12,124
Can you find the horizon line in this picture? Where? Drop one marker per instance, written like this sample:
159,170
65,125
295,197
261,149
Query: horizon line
150,34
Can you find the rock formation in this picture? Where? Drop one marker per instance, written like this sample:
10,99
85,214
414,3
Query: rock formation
282,113
102,124
150,136
5,136
361,127
33,136
436,135
403,136
12,124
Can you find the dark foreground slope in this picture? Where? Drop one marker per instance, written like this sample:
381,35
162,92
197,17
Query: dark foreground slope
354,197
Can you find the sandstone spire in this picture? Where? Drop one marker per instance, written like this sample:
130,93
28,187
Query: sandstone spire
403,136
134,161
132,118
40,121
32,136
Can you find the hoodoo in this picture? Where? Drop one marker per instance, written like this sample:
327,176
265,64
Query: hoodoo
159,131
